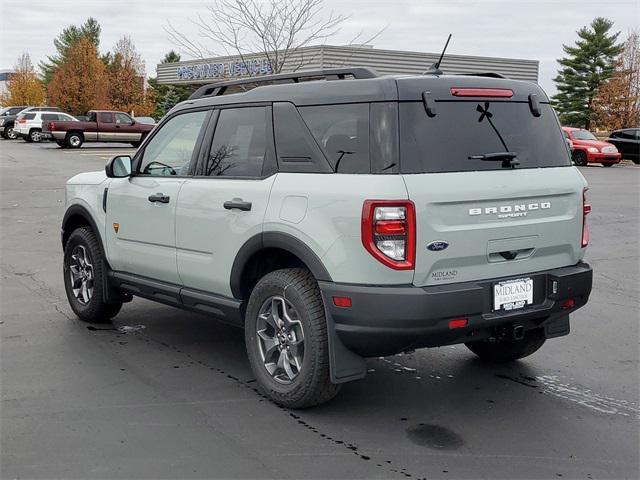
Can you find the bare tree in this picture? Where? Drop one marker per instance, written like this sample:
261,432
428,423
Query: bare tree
276,29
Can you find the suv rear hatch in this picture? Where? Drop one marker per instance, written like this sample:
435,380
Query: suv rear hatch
489,172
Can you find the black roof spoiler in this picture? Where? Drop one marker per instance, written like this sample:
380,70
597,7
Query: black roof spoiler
216,89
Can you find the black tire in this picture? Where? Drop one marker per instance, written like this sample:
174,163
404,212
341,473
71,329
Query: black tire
74,140
636,160
61,143
312,385
5,133
579,158
35,135
607,164
9,134
508,349
94,310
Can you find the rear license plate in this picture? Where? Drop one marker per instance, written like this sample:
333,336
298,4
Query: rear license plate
513,294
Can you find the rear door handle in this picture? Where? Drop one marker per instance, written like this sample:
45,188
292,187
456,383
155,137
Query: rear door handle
159,198
237,203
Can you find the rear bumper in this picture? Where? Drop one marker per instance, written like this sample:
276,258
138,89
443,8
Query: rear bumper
384,320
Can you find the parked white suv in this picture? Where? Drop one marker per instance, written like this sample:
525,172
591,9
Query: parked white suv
28,125
337,215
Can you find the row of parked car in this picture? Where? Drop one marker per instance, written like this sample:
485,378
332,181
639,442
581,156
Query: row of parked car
35,124
586,148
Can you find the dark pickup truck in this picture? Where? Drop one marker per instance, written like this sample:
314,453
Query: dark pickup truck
100,126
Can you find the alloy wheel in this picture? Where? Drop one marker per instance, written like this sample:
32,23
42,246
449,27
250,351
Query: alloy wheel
74,140
280,339
11,135
81,275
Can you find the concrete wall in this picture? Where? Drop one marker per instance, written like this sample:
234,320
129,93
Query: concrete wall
385,61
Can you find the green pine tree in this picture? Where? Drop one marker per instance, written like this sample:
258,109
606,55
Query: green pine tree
168,95
591,61
68,38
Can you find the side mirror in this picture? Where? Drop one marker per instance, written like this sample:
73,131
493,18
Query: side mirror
119,167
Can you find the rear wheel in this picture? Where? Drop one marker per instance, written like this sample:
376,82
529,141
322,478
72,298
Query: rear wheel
579,158
138,143
61,143
74,140
83,278
508,349
35,135
286,339
607,164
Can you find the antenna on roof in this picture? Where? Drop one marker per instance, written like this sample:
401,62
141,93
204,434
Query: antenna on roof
435,68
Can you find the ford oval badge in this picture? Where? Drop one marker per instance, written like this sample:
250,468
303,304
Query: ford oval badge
437,245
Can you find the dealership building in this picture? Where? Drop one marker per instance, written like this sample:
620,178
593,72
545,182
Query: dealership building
199,72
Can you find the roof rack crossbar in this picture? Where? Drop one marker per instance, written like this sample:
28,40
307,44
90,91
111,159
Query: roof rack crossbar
219,88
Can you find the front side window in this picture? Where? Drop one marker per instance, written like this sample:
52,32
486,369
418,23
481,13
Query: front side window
170,150
239,144
123,118
343,133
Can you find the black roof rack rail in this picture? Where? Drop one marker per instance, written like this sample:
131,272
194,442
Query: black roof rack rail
216,89
483,74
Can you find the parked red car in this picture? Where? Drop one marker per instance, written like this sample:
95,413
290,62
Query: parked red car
586,148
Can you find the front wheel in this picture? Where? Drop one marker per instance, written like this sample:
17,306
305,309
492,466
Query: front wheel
83,278
286,339
579,158
10,134
508,349
607,164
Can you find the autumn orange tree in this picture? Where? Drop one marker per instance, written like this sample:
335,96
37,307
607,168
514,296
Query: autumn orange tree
617,101
80,82
127,79
23,87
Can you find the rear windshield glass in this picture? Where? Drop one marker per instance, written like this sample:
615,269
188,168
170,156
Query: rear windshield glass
459,130
29,116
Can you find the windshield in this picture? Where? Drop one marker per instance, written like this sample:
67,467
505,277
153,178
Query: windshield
467,136
583,135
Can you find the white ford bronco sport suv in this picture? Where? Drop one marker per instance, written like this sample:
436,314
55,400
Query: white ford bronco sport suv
337,215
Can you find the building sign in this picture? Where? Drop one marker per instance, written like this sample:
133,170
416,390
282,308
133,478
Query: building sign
224,70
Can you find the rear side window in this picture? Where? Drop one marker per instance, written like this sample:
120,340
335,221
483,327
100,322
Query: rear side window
463,129
106,117
49,116
239,144
342,131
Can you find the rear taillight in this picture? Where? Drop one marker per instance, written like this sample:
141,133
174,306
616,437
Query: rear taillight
389,232
586,210
22,121
52,126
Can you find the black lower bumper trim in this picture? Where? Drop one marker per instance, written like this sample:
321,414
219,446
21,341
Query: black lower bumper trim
384,320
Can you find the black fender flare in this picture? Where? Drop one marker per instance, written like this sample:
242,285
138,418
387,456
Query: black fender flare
84,213
279,240
111,294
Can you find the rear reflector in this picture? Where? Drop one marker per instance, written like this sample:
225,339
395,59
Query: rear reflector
568,303
458,323
344,302
586,210
482,92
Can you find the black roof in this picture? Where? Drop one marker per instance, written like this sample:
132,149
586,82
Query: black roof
342,86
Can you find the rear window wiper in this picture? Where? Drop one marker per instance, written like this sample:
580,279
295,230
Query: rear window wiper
508,159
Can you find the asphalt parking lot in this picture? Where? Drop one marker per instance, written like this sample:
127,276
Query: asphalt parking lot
172,395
